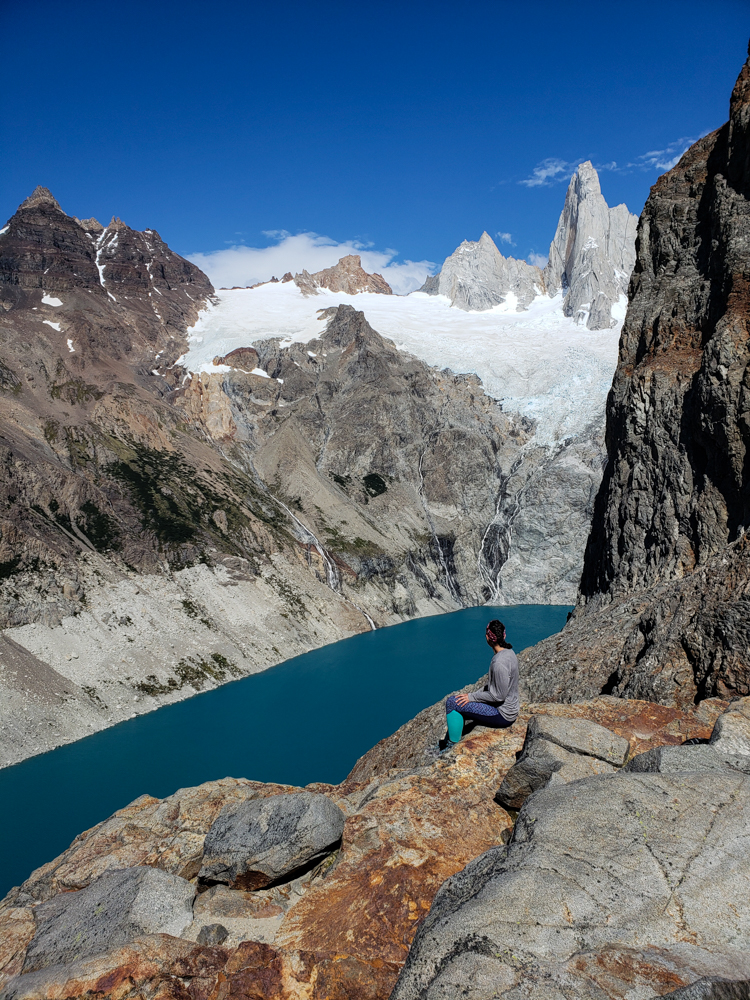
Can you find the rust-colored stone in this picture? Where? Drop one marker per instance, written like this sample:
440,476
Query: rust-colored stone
254,971
346,978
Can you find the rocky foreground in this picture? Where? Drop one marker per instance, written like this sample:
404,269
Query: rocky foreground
624,874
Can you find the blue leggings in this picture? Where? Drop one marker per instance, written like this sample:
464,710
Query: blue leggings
478,711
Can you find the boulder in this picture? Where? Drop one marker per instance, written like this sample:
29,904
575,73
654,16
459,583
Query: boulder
213,934
731,733
699,757
580,736
244,358
255,843
557,751
543,763
111,912
613,881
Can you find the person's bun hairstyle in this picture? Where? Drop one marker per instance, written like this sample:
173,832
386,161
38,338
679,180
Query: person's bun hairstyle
495,633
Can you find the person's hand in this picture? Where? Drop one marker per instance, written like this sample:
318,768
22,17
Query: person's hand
462,699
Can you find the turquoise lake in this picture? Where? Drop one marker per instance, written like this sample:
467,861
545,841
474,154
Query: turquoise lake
308,719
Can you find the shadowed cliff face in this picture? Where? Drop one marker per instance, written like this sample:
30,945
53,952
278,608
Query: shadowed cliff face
665,592
677,487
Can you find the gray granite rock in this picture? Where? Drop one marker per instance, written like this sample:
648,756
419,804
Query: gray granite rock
544,763
630,877
114,910
476,276
590,260
592,253
580,736
711,988
557,751
212,934
700,757
731,733
533,770
255,843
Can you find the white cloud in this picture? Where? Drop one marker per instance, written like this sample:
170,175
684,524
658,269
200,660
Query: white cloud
665,159
549,171
243,265
537,259
505,238
553,170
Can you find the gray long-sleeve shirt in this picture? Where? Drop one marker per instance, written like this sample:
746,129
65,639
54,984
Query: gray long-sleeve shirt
501,688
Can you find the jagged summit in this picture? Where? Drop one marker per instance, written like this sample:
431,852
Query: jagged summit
592,253
347,276
44,248
590,260
477,276
91,225
40,196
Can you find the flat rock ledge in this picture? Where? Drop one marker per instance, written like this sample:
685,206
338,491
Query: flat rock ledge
619,878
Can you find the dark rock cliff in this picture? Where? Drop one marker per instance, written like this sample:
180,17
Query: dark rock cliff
665,592
677,486
127,289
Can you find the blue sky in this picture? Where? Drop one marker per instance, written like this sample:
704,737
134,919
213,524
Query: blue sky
400,126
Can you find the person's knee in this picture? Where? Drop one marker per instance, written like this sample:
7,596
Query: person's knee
450,704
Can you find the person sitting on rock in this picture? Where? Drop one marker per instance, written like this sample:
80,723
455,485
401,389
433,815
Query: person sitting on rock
497,704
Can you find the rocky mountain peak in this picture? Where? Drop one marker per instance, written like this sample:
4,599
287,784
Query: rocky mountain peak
592,253
347,276
477,276
586,181
40,196
590,260
120,290
116,223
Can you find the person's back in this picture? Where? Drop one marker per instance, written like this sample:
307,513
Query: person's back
503,684
498,703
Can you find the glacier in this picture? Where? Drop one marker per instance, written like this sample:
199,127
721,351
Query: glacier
538,363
